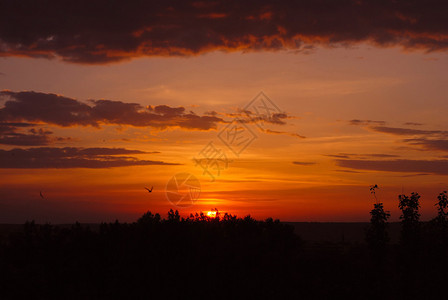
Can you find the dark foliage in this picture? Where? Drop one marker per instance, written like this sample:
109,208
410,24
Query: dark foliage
173,257
377,235
223,257
410,219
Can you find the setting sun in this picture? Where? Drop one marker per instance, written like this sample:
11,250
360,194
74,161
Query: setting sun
211,214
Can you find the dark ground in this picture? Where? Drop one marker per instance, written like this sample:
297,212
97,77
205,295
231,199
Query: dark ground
210,258
311,231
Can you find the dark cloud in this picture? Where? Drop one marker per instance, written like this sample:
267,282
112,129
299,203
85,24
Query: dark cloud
35,138
10,134
377,155
63,111
407,131
105,31
7,126
415,175
211,113
429,144
427,139
338,155
166,110
70,157
365,122
413,124
349,171
269,131
247,116
439,167
361,156
304,163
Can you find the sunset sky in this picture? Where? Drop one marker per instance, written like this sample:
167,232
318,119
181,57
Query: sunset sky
100,99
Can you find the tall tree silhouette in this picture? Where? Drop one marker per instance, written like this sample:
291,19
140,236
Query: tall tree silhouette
442,213
377,238
410,258
437,241
377,233
410,218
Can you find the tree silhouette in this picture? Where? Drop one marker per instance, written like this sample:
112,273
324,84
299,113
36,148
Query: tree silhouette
377,234
442,214
149,218
241,256
377,238
409,256
173,216
410,218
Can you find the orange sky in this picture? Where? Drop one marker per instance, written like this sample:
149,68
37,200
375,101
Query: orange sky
349,116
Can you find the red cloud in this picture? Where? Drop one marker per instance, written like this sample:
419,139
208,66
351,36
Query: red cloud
107,31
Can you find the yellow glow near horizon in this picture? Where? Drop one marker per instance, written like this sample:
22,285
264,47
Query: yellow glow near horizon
211,214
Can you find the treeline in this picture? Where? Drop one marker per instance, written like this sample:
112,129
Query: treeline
226,257
418,265
174,257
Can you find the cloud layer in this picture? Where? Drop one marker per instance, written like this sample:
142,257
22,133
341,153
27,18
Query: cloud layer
71,157
435,140
439,167
10,135
106,31
63,111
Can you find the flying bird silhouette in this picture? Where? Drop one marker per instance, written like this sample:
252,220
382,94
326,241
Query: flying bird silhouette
149,190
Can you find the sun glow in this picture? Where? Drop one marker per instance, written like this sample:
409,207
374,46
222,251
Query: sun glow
211,214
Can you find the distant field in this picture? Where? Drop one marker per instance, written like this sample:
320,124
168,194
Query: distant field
309,231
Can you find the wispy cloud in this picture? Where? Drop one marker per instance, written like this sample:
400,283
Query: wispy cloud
439,167
293,134
407,131
247,116
366,122
413,124
71,157
436,140
429,144
363,156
